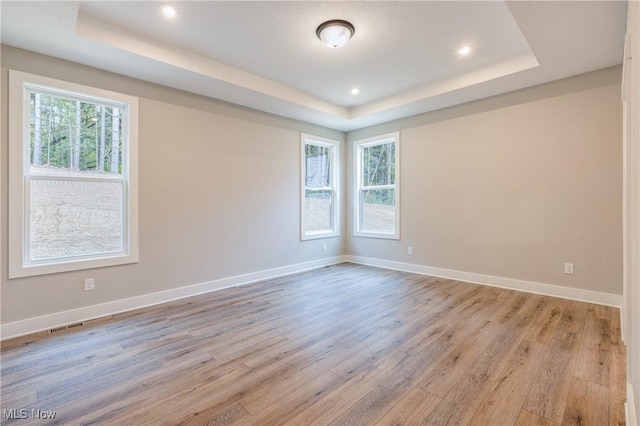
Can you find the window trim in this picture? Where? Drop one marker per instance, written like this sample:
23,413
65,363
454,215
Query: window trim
357,205
19,155
306,139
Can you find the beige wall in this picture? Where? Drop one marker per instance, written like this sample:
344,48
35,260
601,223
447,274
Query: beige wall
514,186
219,195
632,202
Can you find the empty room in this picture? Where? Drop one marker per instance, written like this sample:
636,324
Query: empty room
320,213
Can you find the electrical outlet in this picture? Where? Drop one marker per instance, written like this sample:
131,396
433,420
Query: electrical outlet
89,284
568,268
324,246
410,250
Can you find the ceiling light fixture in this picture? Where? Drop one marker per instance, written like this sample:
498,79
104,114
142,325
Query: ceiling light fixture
335,33
169,11
355,91
464,50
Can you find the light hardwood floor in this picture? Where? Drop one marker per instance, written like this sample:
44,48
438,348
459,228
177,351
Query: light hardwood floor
344,344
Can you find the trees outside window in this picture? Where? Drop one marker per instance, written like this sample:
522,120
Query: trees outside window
73,190
319,197
377,207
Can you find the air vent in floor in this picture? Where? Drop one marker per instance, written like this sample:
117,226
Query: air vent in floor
66,327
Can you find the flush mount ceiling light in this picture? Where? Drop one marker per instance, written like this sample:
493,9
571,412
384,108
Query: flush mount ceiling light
335,33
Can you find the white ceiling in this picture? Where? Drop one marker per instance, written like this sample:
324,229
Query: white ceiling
265,55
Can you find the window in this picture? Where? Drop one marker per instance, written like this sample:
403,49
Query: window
73,177
377,175
319,210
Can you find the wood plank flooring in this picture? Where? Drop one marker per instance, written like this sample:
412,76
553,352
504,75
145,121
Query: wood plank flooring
341,345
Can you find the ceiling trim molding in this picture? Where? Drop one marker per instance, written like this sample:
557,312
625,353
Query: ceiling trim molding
105,33
119,38
510,66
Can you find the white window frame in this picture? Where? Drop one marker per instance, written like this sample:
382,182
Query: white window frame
19,176
359,187
334,186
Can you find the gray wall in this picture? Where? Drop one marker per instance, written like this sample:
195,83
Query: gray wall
632,205
514,186
219,195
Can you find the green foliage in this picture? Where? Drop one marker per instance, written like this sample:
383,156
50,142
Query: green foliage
379,164
319,194
379,168
379,196
59,127
318,165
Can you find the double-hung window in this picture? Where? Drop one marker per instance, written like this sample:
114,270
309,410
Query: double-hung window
319,197
72,178
377,206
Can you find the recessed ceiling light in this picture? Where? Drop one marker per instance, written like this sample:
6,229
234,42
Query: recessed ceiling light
169,11
464,50
335,33
355,91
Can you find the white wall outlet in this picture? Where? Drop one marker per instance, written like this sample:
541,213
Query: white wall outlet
568,268
324,246
89,284
410,250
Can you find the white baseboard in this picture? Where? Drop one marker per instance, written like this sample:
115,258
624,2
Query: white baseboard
46,322
630,408
581,295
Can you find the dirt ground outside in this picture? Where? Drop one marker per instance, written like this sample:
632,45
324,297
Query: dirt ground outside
73,218
377,217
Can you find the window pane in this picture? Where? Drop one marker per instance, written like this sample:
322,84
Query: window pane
317,166
71,135
378,210
318,211
70,218
379,164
